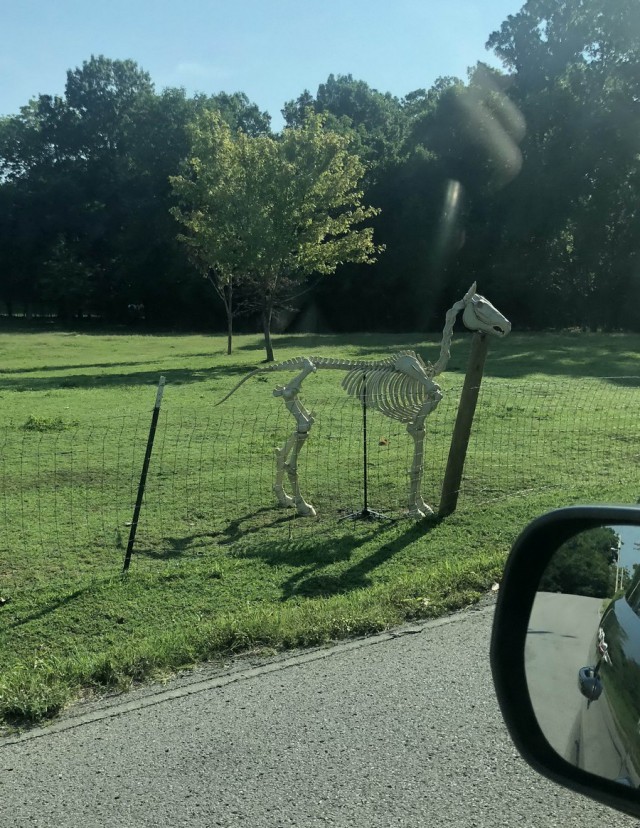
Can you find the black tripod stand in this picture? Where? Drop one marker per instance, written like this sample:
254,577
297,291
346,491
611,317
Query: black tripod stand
365,513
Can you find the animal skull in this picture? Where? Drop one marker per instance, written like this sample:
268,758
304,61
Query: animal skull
480,315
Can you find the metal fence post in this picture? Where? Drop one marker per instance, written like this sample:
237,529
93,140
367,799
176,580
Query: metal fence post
143,476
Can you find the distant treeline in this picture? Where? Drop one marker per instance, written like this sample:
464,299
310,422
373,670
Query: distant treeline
526,180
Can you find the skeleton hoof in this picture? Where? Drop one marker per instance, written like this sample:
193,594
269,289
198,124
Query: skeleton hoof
283,498
305,509
420,511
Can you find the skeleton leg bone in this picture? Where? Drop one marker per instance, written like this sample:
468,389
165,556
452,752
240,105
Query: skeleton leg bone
281,458
291,467
287,456
417,507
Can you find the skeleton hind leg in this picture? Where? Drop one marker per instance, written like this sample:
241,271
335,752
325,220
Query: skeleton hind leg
287,461
287,456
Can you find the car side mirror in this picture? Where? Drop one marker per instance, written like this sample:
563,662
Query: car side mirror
565,650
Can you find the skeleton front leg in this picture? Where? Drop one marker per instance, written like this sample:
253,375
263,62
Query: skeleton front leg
417,507
281,458
287,456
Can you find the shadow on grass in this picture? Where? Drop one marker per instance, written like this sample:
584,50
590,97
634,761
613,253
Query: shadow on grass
318,543
57,604
312,556
568,354
321,547
174,376
366,342
242,527
37,369
580,355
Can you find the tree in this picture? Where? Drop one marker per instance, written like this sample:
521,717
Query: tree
376,124
19,247
70,159
584,564
570,221
84,179
238,111
375,121
265,214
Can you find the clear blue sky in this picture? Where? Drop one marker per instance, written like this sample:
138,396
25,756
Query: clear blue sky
270,49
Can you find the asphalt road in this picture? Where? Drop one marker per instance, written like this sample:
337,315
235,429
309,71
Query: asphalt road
561,633
397,730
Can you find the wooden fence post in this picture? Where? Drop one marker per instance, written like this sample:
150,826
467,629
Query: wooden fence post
462,428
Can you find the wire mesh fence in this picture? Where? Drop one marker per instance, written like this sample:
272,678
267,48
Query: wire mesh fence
67,492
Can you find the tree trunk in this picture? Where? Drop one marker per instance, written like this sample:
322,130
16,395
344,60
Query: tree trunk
225,292
229,306
266,327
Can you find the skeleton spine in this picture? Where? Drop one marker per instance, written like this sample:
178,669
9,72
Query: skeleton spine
328,362
385,364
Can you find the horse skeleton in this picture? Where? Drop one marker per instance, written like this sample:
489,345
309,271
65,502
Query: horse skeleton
400,386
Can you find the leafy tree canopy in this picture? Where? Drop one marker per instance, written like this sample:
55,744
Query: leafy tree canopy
584,565
265,213
375,120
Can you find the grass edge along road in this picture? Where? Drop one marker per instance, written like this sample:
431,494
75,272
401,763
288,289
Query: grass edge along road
65,637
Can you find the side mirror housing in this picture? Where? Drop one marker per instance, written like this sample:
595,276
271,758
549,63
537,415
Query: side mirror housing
565,650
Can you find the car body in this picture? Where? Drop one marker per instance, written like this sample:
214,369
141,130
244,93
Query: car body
607,733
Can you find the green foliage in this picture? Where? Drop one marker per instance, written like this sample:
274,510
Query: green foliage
239,113
43,424
571,219
264,214
584,565
84,178
374,121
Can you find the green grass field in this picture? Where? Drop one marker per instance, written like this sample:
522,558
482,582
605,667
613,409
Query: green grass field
217,567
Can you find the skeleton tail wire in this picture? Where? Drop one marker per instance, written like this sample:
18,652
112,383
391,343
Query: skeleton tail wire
237,385
275,366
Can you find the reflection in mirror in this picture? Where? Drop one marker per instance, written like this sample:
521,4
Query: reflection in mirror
582,653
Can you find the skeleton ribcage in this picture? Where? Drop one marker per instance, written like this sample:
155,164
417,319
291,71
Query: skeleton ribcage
391,392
